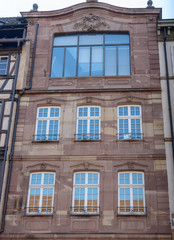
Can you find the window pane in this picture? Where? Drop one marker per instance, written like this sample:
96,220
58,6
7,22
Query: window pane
57,62
80,178
3,65
124,178
84,61
116,39
65,41
123,60
94,111
92,178
94,129
36,178
110,61
135,111
70,61
91,39
48,178
97,61
34,200
43,112
83,112
54,112
123,111
53,130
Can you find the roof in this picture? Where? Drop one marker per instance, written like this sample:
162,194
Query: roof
12,21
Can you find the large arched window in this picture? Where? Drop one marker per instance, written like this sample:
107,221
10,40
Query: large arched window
91,55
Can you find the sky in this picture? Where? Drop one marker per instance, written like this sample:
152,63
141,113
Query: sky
12,8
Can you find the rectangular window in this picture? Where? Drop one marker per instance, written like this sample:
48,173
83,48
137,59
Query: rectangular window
88,123
41,193
86,193
131,196
91,55
47,124
129,123
3,65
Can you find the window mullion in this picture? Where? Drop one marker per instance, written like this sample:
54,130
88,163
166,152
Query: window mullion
90,60
64,61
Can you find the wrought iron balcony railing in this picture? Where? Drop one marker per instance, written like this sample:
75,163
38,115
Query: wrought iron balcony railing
87,136
46,137
39,210
130,136
85,210
131,210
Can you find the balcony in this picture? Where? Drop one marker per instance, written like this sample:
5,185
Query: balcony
39,210
128,210
87,137
130,136
85,210
46,137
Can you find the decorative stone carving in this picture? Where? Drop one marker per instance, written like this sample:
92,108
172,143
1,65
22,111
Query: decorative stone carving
91,23
35,8
131,165
86,165
149,4
88,99
43,166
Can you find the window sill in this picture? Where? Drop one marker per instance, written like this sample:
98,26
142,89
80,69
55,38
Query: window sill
130,140
38,214
93,77
45,141
84,214
131,214
87,140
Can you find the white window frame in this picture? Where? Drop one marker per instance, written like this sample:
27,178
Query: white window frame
129,135
48,119
172,56
5,73
42,186
88,118
84,210
133,210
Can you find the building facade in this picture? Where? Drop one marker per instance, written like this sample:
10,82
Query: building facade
166,54
13,63
89,159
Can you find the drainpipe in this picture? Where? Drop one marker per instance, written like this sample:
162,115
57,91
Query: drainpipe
33,60
168,92
14,133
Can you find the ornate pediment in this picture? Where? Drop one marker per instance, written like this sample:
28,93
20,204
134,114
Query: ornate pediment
91,23
131,165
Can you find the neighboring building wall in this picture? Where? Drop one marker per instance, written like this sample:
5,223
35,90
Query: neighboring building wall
169,25
12,78
107,157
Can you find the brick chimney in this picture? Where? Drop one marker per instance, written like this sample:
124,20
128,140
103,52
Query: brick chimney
91,0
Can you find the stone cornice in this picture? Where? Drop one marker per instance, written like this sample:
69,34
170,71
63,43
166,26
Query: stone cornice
93,5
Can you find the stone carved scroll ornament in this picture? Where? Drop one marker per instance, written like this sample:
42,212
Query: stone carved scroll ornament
91,23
